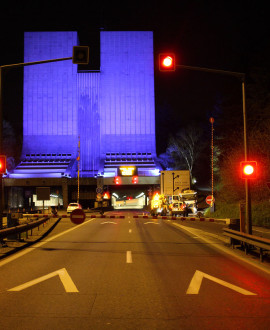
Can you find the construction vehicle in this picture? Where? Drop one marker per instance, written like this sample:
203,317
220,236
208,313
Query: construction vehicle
189,197
159,205
184,203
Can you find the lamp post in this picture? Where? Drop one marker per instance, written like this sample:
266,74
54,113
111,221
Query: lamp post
212,162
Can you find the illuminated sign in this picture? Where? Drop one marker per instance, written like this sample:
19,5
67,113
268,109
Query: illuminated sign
127,170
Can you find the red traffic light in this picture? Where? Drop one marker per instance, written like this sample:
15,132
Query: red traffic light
248,169
167,62
117,180
135,179
3,164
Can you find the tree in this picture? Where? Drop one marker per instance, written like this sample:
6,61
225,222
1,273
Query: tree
184,149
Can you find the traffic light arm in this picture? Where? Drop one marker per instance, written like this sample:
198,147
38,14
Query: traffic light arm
197,68
33,63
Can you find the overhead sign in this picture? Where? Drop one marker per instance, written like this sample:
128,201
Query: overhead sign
210,199
174,182
127,170
77,216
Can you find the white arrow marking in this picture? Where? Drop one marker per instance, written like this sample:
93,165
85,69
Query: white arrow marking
195,284
62,273
102,223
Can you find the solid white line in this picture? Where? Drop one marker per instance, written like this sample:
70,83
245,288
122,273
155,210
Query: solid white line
129,257
33,247
199,233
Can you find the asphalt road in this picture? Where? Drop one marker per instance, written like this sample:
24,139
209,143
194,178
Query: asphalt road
130,274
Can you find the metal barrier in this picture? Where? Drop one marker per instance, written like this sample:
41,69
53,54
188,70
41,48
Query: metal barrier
248,241
21,228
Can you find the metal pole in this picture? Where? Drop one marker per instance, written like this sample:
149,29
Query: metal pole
212,159
1,137
247,181
78,159
172,183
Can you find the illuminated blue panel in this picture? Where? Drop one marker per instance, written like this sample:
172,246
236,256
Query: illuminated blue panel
112,110
89,122
50,94
127,92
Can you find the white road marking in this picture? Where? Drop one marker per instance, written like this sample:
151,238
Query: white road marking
63,275
222,248
196,282
102,223
33,247
155,223
130,231
129,257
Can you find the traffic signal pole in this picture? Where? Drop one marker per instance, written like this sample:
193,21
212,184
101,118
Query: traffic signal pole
240,76
1,136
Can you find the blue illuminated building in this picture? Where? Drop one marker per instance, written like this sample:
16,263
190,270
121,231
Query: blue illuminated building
110,110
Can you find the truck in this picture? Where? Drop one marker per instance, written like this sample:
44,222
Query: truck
184,203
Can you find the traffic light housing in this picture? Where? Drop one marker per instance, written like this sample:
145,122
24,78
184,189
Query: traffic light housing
167,62
80,55
248,169
3,164
135,179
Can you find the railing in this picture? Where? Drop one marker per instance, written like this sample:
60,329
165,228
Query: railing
21,228
248,241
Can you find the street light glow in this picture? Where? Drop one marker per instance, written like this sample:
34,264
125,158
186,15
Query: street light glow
167,61
249,169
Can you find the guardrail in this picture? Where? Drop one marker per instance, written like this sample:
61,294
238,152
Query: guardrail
21,228
248,241
167,217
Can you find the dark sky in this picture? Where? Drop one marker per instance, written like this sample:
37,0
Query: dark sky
226,35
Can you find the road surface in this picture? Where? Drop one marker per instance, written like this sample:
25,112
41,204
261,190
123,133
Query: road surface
130,274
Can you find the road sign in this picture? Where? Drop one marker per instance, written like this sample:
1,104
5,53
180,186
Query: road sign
77,216
209,199
99,190
99,197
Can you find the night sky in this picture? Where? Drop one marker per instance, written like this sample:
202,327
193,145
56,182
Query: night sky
227,35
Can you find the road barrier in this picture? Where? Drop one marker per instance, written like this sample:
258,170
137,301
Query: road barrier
248,242
22,228
225,221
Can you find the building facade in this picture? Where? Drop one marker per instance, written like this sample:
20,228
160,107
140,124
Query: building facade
101,119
